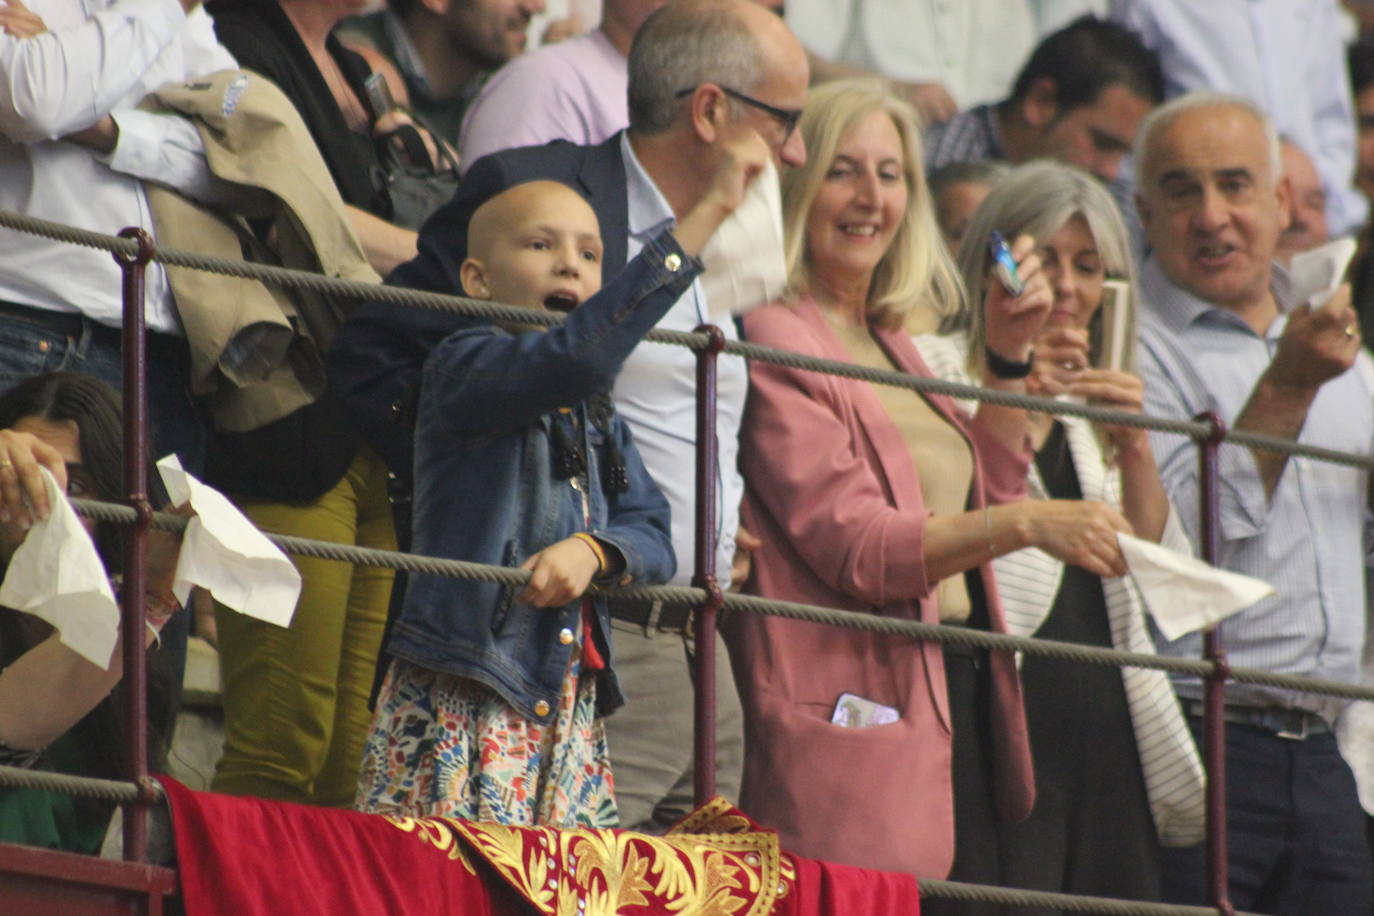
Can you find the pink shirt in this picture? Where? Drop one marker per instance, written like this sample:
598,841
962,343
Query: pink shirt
573,90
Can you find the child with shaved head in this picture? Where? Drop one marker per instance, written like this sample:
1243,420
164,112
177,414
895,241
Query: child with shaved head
491,707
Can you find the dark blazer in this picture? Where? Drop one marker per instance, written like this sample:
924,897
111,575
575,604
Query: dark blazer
376,357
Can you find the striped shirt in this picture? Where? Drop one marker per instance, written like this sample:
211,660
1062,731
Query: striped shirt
969,136
1309,540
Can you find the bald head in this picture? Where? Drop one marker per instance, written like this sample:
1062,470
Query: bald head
537,244
1306,204
689,42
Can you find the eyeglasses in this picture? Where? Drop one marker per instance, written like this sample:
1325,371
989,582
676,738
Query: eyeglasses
787,117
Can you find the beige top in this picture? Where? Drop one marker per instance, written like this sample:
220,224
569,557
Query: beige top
942,456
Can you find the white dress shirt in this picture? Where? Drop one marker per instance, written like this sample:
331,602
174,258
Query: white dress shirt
1285,55
99,57
974,48
656,394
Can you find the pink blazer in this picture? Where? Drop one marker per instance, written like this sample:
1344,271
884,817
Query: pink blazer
833,494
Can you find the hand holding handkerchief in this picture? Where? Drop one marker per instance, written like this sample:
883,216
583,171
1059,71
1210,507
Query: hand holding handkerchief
57,576
221,551
1183,593
744,257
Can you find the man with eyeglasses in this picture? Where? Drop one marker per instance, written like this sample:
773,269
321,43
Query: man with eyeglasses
701,75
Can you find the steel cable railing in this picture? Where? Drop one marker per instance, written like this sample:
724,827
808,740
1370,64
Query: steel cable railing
135,250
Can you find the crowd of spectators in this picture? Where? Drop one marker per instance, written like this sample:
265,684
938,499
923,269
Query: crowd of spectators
1151,168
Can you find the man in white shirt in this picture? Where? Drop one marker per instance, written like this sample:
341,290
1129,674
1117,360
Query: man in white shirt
947,55
74,150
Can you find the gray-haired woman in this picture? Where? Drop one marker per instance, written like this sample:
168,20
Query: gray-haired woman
1115,765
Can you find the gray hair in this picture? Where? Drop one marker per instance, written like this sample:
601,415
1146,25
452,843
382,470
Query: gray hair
1037,199
682,45
1160,119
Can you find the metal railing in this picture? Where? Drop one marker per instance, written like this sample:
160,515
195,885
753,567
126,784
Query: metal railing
133,250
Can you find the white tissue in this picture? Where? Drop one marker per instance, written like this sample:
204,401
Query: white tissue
1183,593
743,259
223,552
1314,275
57,575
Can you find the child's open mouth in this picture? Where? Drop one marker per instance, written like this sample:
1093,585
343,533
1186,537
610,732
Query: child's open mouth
560,302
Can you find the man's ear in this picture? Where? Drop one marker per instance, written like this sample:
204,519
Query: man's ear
1040,106
709,110
473,275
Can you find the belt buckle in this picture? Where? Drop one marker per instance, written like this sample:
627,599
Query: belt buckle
1301,733
651,619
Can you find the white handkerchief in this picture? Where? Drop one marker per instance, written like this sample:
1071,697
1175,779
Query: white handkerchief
223,552
1183,593
743,259
1314,275
57,575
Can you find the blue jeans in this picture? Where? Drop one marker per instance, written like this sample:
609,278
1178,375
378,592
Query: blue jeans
1296,830
28,349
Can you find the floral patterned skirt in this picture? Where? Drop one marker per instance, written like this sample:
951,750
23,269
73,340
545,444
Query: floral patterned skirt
447,746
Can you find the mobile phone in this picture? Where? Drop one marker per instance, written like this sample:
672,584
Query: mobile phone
854,711
379,97
1115,321
1003,264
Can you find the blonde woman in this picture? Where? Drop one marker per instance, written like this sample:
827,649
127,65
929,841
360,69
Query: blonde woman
1117,773
864,748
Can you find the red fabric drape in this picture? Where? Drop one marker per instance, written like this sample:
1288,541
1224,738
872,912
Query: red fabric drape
244,856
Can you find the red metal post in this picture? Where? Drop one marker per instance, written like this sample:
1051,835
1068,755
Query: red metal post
136,544
1214,697
704,576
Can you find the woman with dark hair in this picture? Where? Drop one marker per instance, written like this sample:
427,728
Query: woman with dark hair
56,708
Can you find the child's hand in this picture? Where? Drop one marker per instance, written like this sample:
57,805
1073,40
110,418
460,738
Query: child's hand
559,573
742,160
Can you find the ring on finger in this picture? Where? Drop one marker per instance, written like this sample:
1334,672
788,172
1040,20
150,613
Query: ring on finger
1351,329
6,465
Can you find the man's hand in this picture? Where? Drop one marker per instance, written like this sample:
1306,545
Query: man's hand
1317,345
18,20
743,563
560,573
100,136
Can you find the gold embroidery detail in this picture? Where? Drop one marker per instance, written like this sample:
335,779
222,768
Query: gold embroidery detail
734,870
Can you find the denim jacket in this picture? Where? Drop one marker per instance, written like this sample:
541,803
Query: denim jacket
485,489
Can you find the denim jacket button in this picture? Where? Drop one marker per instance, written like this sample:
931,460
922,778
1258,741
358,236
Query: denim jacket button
565,636
541,708
672,262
